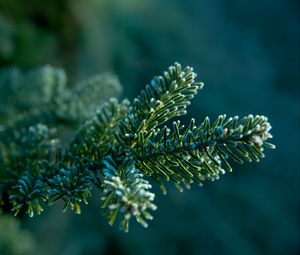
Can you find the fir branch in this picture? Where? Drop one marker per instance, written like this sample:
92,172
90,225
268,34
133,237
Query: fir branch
114,151
27,195
72,185
196,154
125,190
82,101
165,97
54,104
95,138
34,148
22,92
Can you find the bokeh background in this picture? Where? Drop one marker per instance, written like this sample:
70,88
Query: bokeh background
246,52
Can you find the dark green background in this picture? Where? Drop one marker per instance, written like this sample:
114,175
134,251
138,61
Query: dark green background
247,54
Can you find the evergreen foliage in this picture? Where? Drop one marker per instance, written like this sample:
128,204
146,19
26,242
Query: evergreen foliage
46,156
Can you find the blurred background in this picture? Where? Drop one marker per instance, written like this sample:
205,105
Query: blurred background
246,52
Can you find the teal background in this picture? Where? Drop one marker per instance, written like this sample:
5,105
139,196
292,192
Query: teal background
247,54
